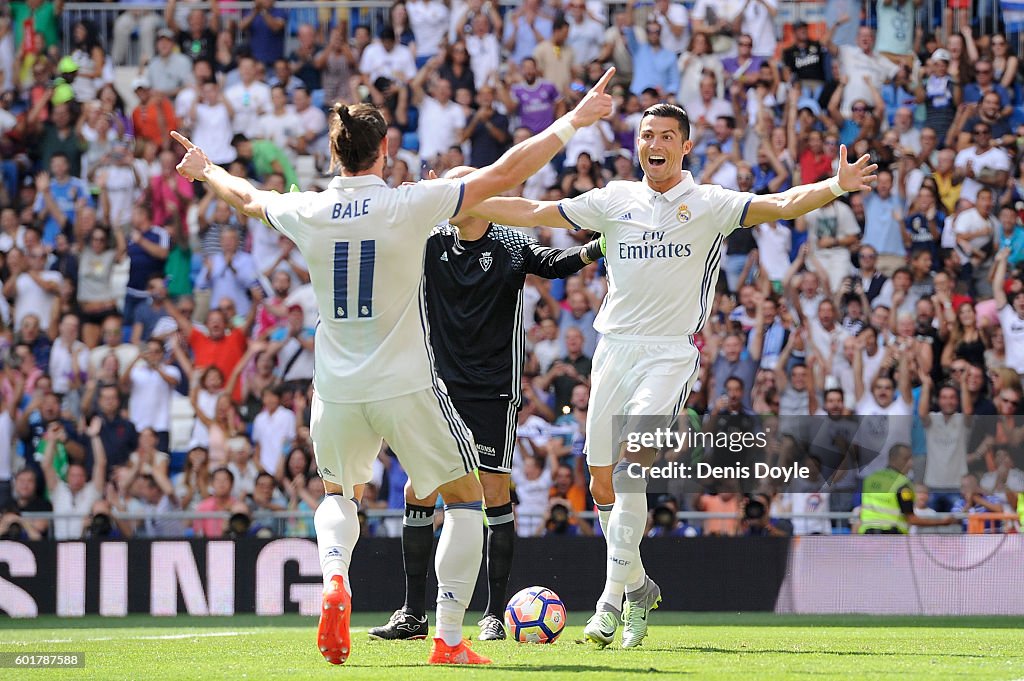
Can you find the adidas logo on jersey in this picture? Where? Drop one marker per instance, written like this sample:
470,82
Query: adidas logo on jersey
626,216
444,256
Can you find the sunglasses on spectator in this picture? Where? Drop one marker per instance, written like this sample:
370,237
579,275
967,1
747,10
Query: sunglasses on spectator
859,109
745,176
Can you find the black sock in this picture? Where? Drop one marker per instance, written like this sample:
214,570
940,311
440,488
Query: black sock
417,545
501,538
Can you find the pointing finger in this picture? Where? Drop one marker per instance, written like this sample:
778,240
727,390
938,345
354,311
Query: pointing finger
601,84
182,140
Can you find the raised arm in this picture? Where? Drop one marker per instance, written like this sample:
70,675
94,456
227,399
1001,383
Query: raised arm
527,158
999,278
800,200
924,402
99,455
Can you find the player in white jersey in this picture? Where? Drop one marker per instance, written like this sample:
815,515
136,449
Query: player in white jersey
374,375
664,243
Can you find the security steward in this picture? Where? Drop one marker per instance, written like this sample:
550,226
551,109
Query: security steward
887,499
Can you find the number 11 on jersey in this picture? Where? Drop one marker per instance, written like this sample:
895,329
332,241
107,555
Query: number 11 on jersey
364,302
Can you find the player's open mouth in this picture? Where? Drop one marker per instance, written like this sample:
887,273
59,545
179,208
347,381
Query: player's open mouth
656,160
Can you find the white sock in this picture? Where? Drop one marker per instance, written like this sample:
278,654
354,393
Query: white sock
625,530
604,512
457,563
337,531
639,574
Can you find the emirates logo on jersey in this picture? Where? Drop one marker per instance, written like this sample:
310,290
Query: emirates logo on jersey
485,261
684,215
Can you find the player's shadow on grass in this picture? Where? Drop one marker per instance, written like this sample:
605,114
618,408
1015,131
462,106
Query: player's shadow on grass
762,651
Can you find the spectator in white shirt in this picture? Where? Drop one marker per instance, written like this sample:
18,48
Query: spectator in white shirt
981,165
441,119
945,432
484,51
861,65
69,358
280,125
312,122
387,58
249,99
586,35
429,22
33,288
212,115
76,495
242,466
150,382
272,431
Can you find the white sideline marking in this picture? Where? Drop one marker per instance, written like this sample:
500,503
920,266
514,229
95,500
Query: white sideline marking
164,637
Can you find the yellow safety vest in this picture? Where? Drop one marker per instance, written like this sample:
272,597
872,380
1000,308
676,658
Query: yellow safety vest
879,506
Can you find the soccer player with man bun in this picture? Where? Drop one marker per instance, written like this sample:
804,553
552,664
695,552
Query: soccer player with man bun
475,272
374,377
664,244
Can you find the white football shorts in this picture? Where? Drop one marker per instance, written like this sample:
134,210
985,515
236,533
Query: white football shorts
433,444
634,378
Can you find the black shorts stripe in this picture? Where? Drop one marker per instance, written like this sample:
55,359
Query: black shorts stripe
460,432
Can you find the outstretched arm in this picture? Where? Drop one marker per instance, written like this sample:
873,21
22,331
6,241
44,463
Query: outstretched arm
558,263
527,158
801,200
512,210
237,191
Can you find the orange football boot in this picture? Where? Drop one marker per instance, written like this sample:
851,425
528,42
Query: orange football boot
442,653
332,636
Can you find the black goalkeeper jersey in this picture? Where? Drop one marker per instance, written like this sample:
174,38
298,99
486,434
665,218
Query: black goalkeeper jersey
474,295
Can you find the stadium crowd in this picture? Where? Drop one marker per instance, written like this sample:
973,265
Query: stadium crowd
157,348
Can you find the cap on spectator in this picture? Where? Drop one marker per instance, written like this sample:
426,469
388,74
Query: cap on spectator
165,33
624,153
799,24
62,93
809,104
296,308
141,83
942,54
67,65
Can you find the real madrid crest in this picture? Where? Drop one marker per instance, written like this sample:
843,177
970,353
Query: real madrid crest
485,261
683,215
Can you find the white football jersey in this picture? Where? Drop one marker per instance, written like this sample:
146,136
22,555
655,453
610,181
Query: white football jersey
364,245
663,252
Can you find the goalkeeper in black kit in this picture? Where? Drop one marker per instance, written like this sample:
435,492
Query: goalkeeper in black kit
474,277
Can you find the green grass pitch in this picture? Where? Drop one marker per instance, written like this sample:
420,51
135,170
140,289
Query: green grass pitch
681,646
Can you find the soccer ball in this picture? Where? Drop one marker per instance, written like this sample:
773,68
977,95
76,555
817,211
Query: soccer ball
535,615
